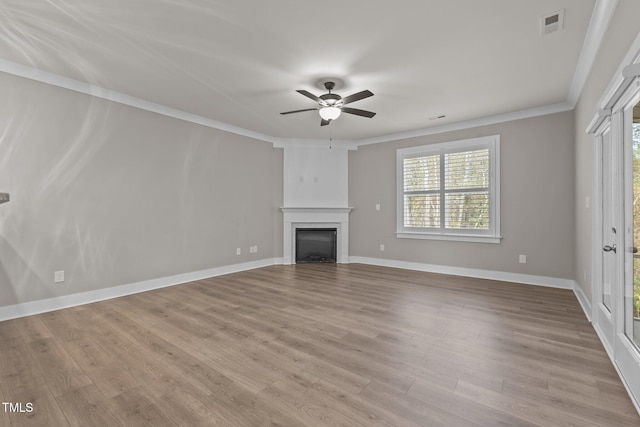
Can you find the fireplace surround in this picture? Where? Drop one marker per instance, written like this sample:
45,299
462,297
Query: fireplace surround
315,217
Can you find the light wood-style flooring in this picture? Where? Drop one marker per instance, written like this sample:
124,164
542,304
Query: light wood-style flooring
316,345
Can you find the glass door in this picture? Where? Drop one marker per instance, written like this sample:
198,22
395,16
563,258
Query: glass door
615,310
616,315
626,312
632,294
606,239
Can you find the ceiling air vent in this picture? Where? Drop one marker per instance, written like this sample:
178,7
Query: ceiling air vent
552,22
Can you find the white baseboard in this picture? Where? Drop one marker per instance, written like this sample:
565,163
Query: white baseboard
57,303
526,279
582,299
609,352
66,301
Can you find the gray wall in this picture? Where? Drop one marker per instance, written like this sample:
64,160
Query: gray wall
114,195
537,201
622,31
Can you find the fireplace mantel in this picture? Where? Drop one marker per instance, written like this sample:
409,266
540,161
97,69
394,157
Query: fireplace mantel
315,217
313,210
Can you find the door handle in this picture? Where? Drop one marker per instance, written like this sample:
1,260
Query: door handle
608,248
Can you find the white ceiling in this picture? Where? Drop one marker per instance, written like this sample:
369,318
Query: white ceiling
239,62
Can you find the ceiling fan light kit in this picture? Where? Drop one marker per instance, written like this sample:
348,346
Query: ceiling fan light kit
331,105
330,113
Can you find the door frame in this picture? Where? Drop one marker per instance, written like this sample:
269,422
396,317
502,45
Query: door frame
624,355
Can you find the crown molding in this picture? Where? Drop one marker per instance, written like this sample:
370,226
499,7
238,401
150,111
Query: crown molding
600,19
467,124
52,79
603,11
315,143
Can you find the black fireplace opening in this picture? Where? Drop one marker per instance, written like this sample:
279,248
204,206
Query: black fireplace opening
316,245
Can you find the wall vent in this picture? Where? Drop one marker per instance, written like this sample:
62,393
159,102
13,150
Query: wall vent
552,22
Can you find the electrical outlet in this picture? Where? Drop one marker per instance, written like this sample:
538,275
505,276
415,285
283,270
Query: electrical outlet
381,247
238,251
377,206
523,259
58,276
255,249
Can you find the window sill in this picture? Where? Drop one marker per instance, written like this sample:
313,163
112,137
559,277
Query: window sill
449,237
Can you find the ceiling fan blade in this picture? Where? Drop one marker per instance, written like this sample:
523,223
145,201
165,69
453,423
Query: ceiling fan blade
357,97
358,112
308,95
299,111
324,122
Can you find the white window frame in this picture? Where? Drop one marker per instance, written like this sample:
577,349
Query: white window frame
492,235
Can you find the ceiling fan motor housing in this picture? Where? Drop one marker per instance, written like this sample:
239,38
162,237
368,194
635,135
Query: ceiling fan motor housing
330,98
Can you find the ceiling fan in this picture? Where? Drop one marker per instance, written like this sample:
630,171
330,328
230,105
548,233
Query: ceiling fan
331,105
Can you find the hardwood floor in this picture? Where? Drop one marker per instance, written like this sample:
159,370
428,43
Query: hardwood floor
315,345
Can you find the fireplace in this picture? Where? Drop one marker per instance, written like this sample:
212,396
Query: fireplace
296,218
316,245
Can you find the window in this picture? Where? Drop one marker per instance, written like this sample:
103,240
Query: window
450,191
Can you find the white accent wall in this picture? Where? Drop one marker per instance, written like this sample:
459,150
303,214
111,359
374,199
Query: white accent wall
316,176
316,195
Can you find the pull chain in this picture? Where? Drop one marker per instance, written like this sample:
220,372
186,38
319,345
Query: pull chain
330,138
